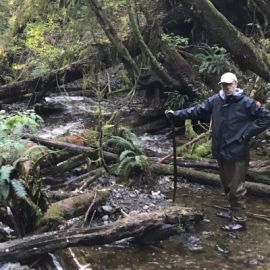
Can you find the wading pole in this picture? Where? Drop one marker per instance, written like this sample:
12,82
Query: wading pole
174,161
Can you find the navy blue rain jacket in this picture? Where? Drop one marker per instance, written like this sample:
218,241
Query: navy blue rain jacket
235,119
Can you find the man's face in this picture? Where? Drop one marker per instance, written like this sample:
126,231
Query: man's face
229,88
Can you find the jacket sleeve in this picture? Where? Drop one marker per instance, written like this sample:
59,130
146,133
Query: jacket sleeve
199,111
261,120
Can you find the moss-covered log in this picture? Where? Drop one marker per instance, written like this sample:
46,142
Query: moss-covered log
74,206
40,85
241,47
207,178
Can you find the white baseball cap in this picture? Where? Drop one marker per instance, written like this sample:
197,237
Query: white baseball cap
228,78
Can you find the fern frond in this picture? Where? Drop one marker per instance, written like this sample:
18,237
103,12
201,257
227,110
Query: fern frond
142,161
121,144
126,170
18,188
124,163
125,154
127,134
4,189
5,172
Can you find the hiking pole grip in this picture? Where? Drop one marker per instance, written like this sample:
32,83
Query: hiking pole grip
174,160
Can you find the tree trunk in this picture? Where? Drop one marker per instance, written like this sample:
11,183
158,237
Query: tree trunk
240,47
123,52
132,226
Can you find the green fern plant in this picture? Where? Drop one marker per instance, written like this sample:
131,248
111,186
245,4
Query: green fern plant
10,185
175,100
174,41
132,159
14,196
214,59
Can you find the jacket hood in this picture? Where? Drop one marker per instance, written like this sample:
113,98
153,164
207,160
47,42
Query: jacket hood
238,93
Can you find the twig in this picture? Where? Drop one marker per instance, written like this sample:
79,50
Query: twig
89,209
185,145
98,173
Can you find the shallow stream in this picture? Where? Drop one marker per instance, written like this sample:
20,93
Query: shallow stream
204,247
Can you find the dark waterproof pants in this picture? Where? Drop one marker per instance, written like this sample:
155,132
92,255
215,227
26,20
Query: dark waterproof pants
232,175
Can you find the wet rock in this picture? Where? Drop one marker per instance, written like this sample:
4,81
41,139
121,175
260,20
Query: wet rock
260,257
79,171
207,235
104,181
222,249
107,209
105,218
223,214
195,248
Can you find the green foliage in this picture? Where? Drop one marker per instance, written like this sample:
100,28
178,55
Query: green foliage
4,10
10,185
15,196
214,59
189,131
174,41
199,148
120,144
11,130
265,44
132,160
175,100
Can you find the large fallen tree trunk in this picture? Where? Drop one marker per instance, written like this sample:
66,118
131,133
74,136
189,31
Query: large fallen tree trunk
207,178
241,47
131,226
56,78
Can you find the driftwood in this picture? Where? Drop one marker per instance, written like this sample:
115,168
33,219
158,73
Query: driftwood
207,178
131,226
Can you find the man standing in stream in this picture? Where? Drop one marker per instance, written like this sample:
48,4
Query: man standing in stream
235,119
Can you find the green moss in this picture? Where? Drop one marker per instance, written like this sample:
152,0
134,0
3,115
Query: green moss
190,133
54,214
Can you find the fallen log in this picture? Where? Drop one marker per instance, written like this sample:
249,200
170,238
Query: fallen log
55,78
207,178
258,170
73,206
246,53
93,153
130,226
